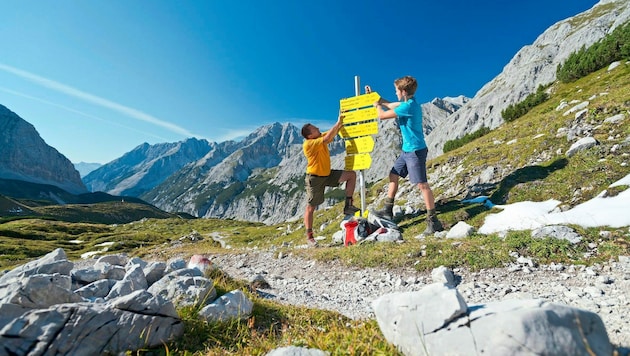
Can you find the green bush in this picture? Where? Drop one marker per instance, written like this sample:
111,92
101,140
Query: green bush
513,112
613,47
457,143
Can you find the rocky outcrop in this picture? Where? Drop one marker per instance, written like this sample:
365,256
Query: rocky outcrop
25,156
110,306
437,320
532,66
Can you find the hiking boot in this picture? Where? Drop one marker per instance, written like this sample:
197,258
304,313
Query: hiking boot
433,225
311,241
350,210
386,212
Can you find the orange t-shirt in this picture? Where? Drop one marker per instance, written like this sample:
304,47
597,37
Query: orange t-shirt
317,156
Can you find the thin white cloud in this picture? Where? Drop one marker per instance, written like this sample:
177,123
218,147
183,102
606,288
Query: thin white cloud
68,90
13,92
232,134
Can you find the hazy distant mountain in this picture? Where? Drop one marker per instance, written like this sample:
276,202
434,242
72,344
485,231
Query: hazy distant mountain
84,168
532,66
24,156
145,167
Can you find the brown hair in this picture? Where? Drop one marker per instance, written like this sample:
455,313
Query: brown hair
407,83
306,130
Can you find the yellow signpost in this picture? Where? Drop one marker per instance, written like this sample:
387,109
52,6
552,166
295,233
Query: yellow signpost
363,144
360,120
358,101
369,113
358,162
360,129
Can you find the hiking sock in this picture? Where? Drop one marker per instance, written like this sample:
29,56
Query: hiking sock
309,233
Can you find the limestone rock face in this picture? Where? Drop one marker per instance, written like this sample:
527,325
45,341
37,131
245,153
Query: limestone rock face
25,156
532,66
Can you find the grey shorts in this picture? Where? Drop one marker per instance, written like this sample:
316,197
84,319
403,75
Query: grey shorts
315,186
413,164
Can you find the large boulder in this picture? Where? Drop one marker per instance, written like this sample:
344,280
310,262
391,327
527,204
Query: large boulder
437,321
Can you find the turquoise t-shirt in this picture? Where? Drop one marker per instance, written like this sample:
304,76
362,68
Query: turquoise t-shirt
410,122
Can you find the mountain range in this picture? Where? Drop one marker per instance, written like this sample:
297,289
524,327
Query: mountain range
260,178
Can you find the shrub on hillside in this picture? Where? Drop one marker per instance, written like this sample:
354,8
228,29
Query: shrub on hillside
613,47
514,111
453,144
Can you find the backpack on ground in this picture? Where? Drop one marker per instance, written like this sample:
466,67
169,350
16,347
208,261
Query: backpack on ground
355,230
358,230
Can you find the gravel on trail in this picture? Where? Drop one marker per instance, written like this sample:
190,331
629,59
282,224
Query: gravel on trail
287,278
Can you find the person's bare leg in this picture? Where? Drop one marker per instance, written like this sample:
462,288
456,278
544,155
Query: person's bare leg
350,177
427,194
308,220
392,189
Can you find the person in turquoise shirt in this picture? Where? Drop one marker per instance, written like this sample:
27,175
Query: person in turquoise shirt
413,158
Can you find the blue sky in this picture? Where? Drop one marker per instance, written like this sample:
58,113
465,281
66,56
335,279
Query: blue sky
98,78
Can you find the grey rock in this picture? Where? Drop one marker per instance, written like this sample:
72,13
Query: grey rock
39,291
116,260
615,119
133,322
154,271
557,231
53,262
581,145
460,230
97,289
443,275
185,290
404,316
421,323
232,305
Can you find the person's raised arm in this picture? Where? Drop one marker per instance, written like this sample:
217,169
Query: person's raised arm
330,134
384,107
386,110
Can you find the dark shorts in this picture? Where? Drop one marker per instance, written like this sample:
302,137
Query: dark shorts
315,186
413,164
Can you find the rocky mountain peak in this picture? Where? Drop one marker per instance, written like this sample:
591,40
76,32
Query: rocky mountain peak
25,156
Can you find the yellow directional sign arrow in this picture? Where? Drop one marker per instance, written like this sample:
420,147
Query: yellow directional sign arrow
364,129
363,144
358,101
368,113
358,162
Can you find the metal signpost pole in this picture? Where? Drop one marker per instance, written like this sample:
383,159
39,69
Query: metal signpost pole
357,92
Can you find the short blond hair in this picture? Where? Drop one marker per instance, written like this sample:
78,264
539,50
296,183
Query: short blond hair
407,83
